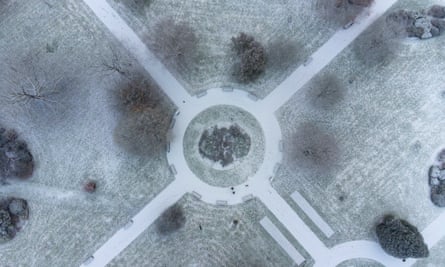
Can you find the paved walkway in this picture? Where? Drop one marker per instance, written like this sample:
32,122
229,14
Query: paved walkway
312,214
263,111
282,240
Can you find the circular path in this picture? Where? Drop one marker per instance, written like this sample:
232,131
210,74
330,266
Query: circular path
258,176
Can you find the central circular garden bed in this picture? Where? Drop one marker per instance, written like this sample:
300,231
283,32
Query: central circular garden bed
224,145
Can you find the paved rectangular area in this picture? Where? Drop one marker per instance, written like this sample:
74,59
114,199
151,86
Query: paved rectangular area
312,214
281,240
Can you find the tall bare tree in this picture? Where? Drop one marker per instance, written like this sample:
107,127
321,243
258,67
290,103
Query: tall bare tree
175,42
340,12
31,83
143,126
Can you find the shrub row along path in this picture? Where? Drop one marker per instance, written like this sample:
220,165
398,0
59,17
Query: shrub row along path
257,186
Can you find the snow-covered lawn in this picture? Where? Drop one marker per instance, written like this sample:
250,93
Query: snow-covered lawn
219,243
72,143
387,126
293,23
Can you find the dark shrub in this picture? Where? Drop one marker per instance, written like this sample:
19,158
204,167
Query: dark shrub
18,207
252,57
90,187
438,194
13,213
15,158
400,239
171,220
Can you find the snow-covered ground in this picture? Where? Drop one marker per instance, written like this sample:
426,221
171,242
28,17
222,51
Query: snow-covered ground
72,143
292,25
385,122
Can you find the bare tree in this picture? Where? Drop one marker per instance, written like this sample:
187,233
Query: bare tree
144,121
326,91
143,133
311,148
379,45
251,57
283,52
114,63
175,43
340,12
31,84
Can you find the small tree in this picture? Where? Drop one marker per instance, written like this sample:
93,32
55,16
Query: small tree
175,43
312,148
144,122
171,220
252,57
32,84
136,96
400,239
340,12
282,53
327,91
379,46
143,133
115,63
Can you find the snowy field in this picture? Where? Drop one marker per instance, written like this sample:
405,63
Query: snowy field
219,243
387,123
73,140
436,258
293,25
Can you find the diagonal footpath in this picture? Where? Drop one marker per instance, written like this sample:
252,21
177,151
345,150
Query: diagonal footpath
323,56
277,205
120,29
141,221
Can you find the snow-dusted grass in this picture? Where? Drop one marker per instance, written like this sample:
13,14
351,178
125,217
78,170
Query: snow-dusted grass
236,172
388,127
219,243
436,257
273,23
73,142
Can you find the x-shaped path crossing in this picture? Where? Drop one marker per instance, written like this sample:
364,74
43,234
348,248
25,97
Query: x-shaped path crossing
259,185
